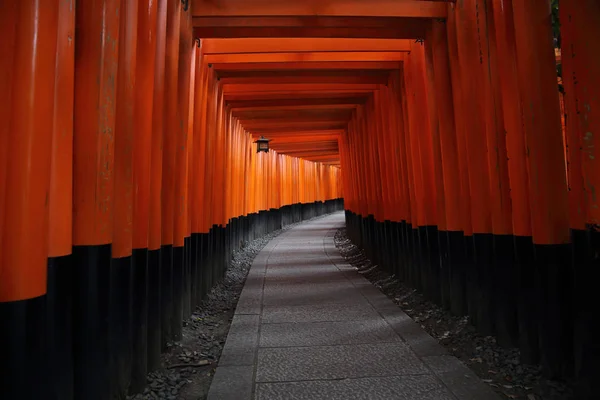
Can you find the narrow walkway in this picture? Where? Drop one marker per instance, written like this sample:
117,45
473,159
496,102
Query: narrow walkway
308,326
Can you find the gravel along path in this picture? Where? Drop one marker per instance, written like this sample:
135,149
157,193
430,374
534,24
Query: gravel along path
189,365
497,366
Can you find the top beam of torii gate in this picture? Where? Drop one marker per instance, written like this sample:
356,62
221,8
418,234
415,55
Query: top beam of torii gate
324,8
395,19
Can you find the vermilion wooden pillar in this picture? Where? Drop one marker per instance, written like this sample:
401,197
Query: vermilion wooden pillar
178,134
536,66
581,63
421,138
437,236
156,184
121,268
96,64
60,274
170,132
28,76
469,49
405,174
464,257
454,237
142,151
502,280
413,179
191,270
519,179
197,172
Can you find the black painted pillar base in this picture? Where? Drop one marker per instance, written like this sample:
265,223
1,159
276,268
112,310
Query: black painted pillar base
417,269
555,273
154,309
403,255
472,280
139,321
484,270
59,308
194,271
178,283
166,295
457,270
506,286
528,301
23,349
119,329
412,247
91,273
586,247
432,263
187,278
444,270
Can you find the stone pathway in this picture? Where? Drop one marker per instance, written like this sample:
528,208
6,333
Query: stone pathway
308,326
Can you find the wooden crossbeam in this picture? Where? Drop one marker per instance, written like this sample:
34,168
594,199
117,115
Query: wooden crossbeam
301,45
342,8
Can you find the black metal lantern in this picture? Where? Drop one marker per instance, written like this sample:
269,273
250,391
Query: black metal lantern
262,144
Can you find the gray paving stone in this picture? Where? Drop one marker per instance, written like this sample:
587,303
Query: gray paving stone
232,383
420,341
328,333
373,330
242,341
300,263
307,294
461,381
250,302
377,299
300,272
406,387
318,312
337,362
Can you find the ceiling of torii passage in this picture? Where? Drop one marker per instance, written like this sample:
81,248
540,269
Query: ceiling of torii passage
295,71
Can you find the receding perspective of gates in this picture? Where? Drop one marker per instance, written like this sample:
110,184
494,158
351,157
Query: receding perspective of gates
143,140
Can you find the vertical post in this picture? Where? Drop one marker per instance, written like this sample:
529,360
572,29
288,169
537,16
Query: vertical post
28,75
454,237
536,67
436,234
501,280
519,180
60,274
580,63
469,50
179,137
120,271
414,179
171,126
96,55
142,151
463,256
156,183
190,299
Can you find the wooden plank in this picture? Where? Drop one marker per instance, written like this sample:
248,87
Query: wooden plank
304,45
372,8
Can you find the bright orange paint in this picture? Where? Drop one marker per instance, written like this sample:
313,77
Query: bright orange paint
28,140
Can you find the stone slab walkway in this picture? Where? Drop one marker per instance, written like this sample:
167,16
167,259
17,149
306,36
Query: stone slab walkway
308,326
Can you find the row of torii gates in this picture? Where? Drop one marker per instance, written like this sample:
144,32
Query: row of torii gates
128,172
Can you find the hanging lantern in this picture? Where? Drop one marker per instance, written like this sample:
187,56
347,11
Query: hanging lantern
262,144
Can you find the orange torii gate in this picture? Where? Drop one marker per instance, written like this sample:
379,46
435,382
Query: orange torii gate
128,170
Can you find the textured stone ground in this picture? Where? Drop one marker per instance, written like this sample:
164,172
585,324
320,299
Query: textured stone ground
497,366
204,335
308,326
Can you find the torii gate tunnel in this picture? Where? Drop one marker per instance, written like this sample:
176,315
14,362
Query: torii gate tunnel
467,166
